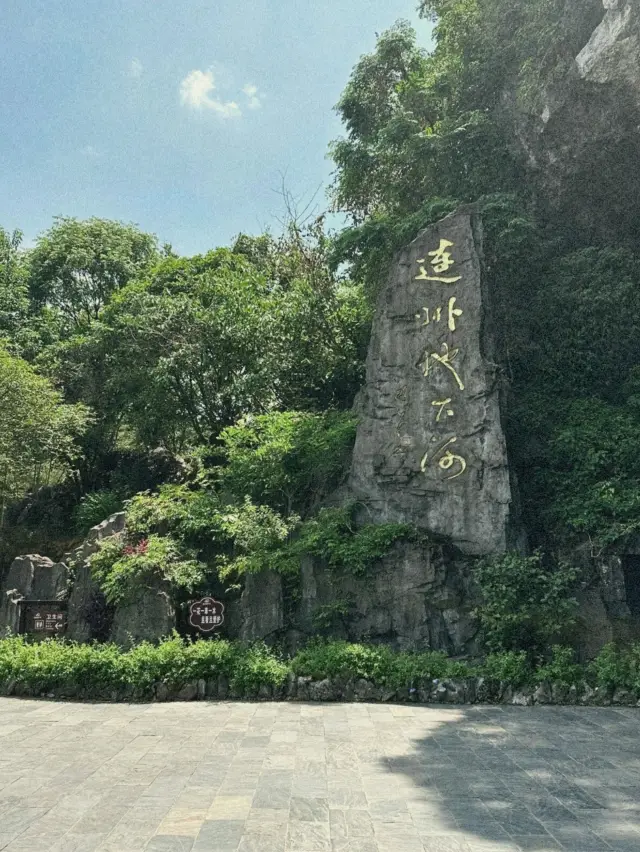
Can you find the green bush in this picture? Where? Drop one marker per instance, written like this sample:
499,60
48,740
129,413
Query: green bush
123,570
511,667
333,536
95,671
95,507
99,670
617,668
525,605
288,460
562,668
265,540
192,515
376,663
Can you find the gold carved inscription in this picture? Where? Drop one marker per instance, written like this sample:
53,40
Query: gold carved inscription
444,359
440,260
446,460
434,315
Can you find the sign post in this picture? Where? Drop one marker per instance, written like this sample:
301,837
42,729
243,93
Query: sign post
206,614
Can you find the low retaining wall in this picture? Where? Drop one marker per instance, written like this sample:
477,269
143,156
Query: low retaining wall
450,691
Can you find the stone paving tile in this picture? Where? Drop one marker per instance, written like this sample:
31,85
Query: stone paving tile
236,777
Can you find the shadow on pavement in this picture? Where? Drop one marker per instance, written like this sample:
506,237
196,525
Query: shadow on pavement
508,778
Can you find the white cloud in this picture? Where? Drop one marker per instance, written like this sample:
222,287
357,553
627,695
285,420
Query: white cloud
90,152
196,92
135,68
251,92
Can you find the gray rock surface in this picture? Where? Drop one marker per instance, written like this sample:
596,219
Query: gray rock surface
580,133
30,577
261,606
416,597
613,51
430,449
83,588
149,618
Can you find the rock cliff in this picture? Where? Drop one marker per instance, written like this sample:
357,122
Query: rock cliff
580,134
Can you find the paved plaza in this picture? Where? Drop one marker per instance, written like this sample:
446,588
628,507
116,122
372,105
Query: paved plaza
287,777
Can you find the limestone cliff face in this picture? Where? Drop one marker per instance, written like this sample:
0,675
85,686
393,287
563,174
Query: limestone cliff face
581,140
430,449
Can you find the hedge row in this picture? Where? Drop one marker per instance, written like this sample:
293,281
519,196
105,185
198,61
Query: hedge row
323,671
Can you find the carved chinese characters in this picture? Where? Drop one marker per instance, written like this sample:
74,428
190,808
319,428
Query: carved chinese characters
430,448
446,458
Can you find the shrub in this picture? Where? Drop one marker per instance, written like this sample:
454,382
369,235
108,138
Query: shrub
525,605
95,671
616,668
376,663
264,539
288,460
562,668
95,507
122,571
188,514
333,536
511,667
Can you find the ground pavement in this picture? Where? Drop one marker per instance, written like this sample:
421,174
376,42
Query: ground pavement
284,777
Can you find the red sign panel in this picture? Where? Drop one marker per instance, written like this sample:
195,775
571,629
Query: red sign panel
206,614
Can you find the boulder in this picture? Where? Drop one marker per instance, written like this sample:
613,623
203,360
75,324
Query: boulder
148,618
85,595
430,448
30,577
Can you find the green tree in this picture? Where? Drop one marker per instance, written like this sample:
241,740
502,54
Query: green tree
14,299
77,265
38,432
200,342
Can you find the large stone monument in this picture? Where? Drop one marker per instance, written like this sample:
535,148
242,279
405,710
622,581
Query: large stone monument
430,449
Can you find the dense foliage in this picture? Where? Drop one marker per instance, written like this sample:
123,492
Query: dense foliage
211,396
254,671
526,605
427,131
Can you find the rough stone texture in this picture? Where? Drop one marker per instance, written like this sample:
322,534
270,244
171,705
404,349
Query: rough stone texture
580,137
613,51
603,615
30,577
83,588
148,618
407,463
417,597
261,606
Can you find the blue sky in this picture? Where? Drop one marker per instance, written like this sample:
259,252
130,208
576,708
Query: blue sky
179,116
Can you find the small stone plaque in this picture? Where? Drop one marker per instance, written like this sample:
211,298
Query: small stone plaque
43,618
206,614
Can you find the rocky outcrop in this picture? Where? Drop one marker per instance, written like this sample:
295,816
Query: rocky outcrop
30,577
613,51
430,448
149,617
581,132
261,608
415,598
84,591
